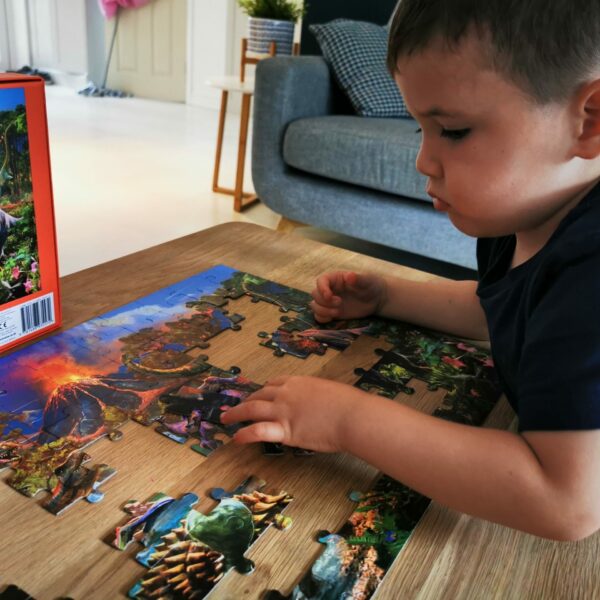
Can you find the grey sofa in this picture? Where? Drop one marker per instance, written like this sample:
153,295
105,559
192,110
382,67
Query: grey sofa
345,173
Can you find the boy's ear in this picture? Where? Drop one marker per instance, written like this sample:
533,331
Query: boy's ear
588,113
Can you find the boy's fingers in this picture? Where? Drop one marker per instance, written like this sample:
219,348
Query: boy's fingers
253,410
337,282
324,288
350,278
360,282
265,393
323,314
277,381
269,431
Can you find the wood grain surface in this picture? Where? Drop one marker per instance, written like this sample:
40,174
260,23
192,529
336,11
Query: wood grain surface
448,556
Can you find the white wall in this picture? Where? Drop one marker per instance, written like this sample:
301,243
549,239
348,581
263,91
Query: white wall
215,31
18,37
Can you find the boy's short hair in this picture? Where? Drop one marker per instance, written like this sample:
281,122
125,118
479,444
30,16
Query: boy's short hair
546,47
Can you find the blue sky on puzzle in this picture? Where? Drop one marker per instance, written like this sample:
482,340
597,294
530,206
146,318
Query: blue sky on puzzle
28,376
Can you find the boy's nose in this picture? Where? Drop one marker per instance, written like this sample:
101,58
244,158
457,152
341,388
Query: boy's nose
427,164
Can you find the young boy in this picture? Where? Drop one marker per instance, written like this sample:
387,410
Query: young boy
507,94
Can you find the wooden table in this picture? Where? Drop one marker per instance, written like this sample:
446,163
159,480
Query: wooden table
449,555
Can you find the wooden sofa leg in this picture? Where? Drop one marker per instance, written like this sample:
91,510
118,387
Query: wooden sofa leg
286,225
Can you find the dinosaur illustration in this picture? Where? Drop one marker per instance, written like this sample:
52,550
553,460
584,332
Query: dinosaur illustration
5,174
6,223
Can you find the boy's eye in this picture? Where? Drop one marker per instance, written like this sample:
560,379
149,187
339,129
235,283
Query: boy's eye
455,134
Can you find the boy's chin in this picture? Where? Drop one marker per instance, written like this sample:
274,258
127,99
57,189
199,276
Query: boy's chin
468,227
475,230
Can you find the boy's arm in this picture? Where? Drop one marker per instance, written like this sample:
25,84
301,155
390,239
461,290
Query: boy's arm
544,483
442,305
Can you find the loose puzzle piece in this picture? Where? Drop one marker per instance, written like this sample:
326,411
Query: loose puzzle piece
12,592
300,337
282,342
356,559
188,553
76,482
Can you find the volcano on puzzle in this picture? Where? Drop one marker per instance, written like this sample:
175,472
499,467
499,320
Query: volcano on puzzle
143,361
19,259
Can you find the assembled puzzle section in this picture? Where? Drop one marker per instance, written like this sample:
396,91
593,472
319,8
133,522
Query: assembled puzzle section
186,552
465,371
144,361
29,294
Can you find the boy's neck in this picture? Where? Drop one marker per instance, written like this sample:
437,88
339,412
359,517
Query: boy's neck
530,242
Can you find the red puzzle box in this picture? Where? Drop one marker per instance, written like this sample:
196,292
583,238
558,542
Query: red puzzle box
29,295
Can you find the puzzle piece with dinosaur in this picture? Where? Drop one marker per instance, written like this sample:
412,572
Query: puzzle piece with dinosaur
194,410
355,560
301,336
186,552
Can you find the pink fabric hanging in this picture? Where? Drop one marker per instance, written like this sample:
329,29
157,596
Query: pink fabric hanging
109,7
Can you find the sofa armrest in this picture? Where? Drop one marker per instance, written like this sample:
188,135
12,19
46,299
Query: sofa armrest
287,88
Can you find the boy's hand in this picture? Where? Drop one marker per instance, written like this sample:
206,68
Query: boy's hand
347,295
305,412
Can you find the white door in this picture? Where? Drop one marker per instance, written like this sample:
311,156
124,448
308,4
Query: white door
149,58
57,30
4,51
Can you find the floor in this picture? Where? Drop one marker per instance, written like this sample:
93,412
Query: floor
132,173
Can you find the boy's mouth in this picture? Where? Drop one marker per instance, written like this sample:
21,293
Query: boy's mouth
438,203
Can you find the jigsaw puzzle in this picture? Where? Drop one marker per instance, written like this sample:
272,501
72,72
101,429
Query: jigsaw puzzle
146,361
188,553
143,361
465,371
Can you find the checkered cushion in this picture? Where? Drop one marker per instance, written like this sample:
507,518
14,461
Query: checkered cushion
356,52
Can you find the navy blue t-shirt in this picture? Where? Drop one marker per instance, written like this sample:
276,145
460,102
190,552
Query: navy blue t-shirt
544,322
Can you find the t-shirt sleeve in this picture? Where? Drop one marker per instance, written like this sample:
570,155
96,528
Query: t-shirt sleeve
559,374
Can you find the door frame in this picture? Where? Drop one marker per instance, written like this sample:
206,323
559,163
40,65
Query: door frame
5,54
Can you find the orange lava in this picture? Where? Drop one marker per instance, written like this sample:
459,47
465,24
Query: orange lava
59,370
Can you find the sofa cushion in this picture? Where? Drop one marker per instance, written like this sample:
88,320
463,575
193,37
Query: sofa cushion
356,52
375,153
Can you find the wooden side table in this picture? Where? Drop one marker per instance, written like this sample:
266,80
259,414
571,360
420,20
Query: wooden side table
229,84
245,87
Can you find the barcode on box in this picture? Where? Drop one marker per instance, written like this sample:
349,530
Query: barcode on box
19,321
37,314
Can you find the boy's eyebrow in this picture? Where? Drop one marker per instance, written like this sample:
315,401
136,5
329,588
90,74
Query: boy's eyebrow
439,112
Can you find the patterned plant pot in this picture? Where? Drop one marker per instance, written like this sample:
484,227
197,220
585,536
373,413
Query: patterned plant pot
265,31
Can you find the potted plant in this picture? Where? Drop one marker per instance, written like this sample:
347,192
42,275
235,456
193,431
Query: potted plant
272,21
